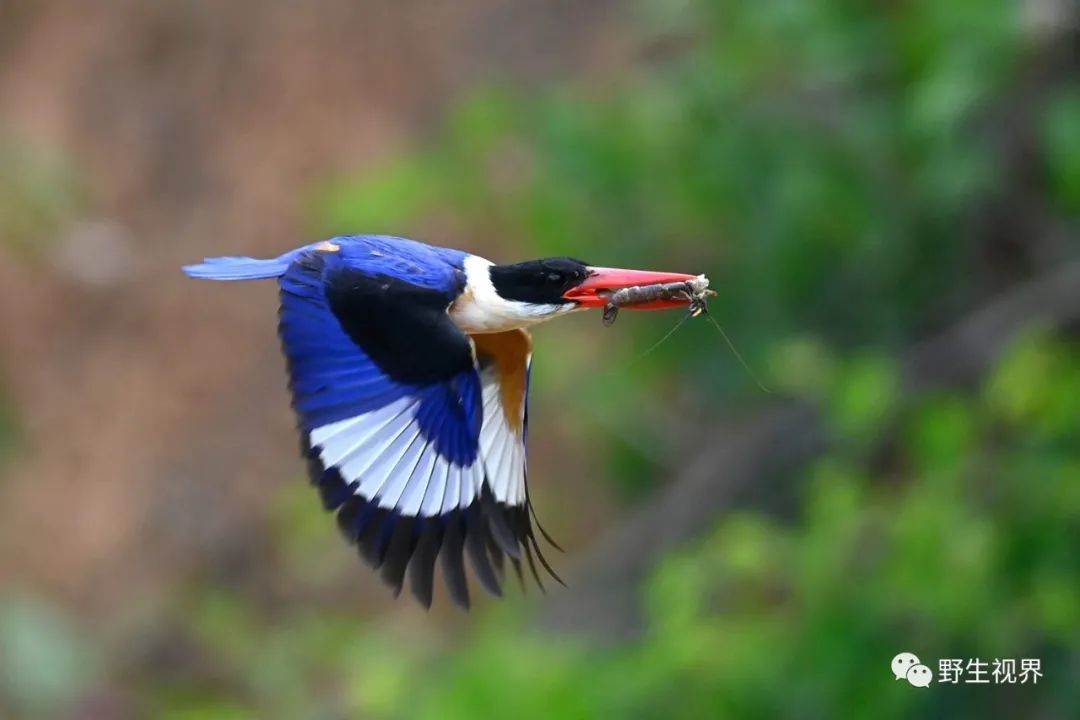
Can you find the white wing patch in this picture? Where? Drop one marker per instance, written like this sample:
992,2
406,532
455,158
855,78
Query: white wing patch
501,446
386,459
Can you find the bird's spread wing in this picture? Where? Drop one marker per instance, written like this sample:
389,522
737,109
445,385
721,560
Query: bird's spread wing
504,360
391,406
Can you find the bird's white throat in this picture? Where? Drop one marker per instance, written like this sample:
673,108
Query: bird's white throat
480,308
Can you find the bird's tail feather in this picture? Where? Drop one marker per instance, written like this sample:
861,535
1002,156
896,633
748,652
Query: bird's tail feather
240,268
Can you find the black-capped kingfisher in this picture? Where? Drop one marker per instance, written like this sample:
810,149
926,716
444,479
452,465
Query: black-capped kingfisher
409,371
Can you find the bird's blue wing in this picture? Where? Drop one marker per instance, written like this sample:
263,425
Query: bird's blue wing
390,405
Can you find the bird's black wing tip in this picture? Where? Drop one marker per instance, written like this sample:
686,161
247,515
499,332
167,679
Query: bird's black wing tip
407,548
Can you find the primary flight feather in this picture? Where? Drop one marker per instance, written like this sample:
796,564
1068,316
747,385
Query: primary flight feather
409,371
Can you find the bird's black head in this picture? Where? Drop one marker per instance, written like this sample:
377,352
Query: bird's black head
540,289
539,282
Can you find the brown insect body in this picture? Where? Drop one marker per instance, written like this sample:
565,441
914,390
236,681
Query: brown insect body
695,292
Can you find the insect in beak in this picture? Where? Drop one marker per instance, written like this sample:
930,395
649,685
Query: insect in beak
602,283
693,293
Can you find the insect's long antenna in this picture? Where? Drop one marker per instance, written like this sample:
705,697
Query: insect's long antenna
738,355
662,340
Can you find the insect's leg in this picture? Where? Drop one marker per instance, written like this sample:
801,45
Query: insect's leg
697,305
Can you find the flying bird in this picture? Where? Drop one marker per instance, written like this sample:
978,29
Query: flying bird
409,370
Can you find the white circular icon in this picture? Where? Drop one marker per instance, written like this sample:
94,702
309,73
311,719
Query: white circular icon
919,676
902,663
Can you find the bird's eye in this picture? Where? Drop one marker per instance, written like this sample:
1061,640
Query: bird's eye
554,278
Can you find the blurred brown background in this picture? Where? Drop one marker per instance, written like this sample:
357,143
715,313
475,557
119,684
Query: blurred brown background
154,419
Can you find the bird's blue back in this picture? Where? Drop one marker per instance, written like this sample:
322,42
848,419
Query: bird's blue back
418,263
415,262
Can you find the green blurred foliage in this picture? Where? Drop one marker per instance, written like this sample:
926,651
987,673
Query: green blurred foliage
45,663
1062,142
966,550
812,151
8,429
39,192
819,159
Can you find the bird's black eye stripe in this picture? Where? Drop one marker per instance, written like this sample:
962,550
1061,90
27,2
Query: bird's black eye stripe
538,281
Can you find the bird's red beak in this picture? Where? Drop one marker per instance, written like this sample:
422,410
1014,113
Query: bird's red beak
598,287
